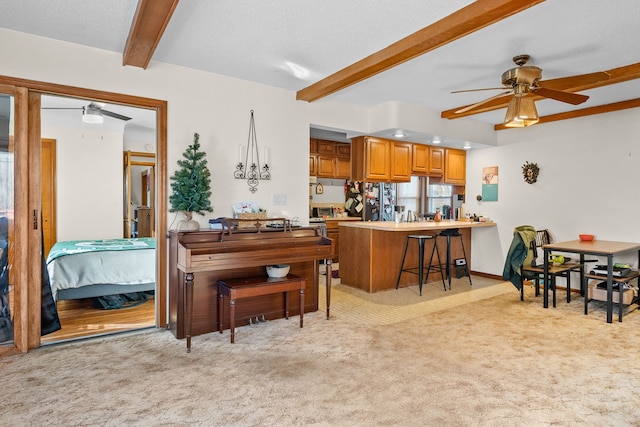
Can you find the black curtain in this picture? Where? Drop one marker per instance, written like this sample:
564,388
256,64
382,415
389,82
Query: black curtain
6,325
50,322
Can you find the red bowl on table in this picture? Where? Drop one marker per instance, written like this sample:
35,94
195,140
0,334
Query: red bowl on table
586,237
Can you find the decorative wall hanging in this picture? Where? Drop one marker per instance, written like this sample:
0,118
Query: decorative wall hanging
490,184
251,170
319,188
530,172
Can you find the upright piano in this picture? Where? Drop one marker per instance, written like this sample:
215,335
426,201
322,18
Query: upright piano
198,259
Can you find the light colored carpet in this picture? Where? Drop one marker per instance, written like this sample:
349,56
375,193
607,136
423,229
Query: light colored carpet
485,359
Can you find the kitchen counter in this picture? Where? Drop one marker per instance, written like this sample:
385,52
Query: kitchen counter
417,226
332,225
349,218
371,251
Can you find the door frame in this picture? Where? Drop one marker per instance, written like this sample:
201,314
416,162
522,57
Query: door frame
27,275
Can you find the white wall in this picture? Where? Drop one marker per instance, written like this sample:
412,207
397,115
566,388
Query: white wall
88,182
587,183
217,107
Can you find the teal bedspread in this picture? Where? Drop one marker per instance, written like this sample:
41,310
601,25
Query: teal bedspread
70,247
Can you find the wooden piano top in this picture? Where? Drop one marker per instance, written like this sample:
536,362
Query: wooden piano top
217,250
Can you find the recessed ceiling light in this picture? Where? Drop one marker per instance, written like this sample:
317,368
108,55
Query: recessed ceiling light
399,134
466,146
436,140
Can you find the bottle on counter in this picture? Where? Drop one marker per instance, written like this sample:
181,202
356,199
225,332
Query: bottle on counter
437,217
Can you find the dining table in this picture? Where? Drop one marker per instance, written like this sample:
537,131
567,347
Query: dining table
603,248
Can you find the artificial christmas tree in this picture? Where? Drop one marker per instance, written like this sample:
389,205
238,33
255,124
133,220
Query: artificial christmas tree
191,186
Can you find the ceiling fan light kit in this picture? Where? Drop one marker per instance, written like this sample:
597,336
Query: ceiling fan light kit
524,82
92,114
521,112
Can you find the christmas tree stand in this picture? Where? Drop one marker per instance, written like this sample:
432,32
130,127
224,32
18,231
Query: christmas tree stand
188,224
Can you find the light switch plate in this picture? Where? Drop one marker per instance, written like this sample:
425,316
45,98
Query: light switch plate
279,199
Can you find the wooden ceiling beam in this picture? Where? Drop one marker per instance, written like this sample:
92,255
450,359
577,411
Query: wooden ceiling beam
569,84
467,20
149,23
599,109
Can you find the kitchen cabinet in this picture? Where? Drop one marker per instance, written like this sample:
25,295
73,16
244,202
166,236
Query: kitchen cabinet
427,160
380,160
326,167
343,167
333,232
420,159
455,167
436,161
313,168
329,159
400,161
326,147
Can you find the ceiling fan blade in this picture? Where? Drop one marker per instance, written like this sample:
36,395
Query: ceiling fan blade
478,90
115,115
61,108
477,104
558,95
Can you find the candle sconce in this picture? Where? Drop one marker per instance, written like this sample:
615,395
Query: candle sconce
249,166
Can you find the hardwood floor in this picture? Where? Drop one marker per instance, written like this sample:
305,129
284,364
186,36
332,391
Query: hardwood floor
79,318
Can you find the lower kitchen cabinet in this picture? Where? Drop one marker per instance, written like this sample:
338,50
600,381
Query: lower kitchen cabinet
333,232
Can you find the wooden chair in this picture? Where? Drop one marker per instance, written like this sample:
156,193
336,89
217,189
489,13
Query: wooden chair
535,273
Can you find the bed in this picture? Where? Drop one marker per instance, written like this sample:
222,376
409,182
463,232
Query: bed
93,268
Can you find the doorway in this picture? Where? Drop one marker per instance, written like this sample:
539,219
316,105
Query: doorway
26,265
89,217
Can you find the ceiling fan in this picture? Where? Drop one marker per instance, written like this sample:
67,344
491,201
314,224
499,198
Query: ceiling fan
92,113
523,81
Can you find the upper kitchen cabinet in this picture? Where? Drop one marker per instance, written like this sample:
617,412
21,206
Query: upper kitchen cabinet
436,161
380,160
329,159
327,147
427,160
400,161
455,167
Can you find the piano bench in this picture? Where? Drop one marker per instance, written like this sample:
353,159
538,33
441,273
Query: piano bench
240,288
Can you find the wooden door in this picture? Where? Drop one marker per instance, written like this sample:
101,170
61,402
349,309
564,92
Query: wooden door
48,176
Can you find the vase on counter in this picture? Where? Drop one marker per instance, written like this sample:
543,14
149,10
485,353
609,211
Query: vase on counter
437,217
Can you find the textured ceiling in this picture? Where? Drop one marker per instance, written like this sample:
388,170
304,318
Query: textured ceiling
263,41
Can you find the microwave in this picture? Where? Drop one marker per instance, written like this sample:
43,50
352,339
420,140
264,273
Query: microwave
322,212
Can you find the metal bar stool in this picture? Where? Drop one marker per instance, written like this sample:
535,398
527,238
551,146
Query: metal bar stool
419,270
449,233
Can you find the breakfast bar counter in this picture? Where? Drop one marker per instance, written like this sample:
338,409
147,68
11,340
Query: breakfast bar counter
371,251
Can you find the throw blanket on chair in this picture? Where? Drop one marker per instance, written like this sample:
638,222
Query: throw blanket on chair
519,254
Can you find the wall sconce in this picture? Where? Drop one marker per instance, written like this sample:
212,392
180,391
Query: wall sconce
521,111
250,169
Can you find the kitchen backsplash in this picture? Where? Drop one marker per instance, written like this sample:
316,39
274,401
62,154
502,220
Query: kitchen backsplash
331,191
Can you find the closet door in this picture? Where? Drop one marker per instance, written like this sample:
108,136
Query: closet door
7,210
19,218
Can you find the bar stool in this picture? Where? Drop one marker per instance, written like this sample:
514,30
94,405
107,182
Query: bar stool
448,234
419,270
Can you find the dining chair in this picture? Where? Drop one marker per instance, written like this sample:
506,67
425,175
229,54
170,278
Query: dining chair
534,271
